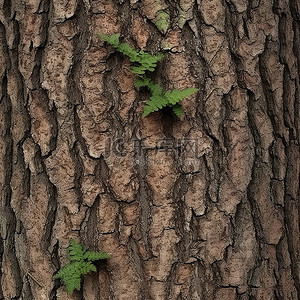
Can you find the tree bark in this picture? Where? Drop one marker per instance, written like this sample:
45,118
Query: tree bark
200,207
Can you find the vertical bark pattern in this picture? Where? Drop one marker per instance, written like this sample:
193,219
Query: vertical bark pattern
202,207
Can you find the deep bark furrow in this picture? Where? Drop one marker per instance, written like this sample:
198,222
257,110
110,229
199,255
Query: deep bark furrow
10,263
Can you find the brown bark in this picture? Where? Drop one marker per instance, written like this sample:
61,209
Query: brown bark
202,207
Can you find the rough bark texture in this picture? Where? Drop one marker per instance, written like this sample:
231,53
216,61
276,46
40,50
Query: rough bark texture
203,207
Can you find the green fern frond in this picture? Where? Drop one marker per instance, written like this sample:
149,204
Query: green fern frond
156,89
76,251
72,284
170,98
80,264
91,255
111,39
70,275
87,267
145,62
148,109
149,61
139,70
130,52
141,82
175,96
155,103
153,87
177,110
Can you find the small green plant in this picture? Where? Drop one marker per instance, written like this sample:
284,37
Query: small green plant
144,62
80,264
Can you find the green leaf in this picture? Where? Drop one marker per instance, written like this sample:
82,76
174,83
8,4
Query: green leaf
147,110
87,267
140,70
175,96
156,89
156,102
141,82
112,39
80,264
72,284
70,270
177,109
153,87
149,61
130,52
76,251
92,256
146,62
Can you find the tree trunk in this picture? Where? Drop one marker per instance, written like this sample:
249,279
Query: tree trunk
199,207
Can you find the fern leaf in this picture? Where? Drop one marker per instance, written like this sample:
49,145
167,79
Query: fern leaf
130,52
148,61
177,109
141,82
155,103
111,39
80,264
145,58
170,98
71,274
76,251
188,92
155,89
72,284
143,62
92,256
158,100
87,267
68,271
151,69
175,96
139,70
147,110
114,40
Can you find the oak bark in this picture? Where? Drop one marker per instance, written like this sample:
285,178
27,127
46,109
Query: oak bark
200,207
